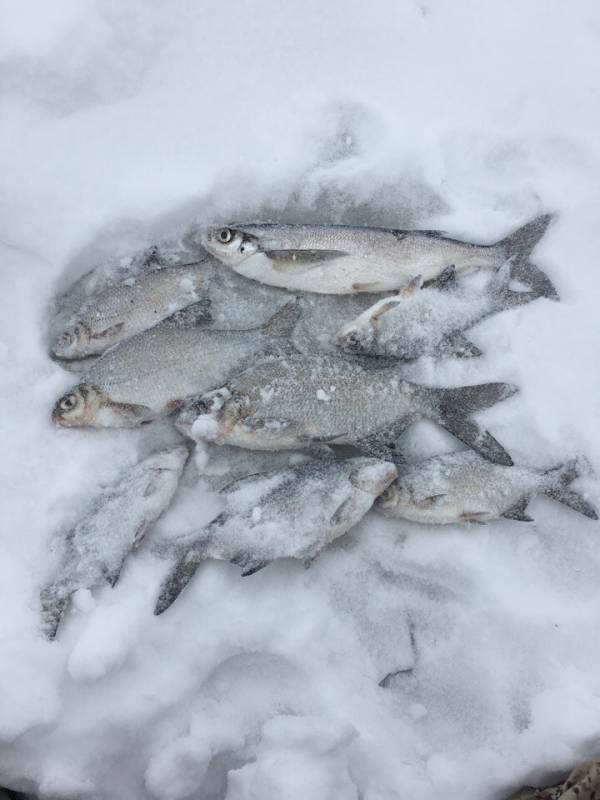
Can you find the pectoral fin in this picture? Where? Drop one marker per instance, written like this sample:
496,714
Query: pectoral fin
518,512
338,514
383,309
109,331
428,502
287,260
132,414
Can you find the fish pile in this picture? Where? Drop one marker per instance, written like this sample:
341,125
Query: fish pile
213,341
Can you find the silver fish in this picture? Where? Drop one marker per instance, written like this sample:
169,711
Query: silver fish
463,487
429,321
342,259
121,311
289,513
149,375
284,403
116,522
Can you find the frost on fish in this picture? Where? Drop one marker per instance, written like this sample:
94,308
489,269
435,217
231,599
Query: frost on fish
120,311
429,320
343,259
93,552
289,513
463,487
280,404
149,375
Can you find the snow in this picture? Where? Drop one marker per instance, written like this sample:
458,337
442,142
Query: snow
122,123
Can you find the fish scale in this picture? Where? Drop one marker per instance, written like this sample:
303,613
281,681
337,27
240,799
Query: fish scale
290,402
340,259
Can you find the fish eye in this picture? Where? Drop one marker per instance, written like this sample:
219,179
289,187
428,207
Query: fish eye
68,403
225,235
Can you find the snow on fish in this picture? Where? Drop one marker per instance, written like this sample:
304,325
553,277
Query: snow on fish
118,312
95,549
430,321
149,375
296,401
289,513
463,487
344,259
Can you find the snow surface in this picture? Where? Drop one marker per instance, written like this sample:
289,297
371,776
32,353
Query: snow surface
406,662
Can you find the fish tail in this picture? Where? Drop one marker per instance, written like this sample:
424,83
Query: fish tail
535,279
517,248
453,407
505,298
559,480
54,603
520,243
282,323
176,581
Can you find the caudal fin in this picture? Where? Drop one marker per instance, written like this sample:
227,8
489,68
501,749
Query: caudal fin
560,478
520,244
54,600
537,283
282,323
454,407
518,248
179,577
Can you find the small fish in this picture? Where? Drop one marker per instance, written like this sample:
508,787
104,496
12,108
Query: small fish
121,311
429,321
342,259
462,487
149,375
116,522
286,403
289,513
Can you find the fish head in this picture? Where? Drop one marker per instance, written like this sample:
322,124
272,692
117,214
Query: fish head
394,500
201,416
230,245
73,342
356,337
372,475
77,407
89,406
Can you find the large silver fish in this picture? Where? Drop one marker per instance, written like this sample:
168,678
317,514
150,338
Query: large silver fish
289,513
118,312
95,549
429,321
286,403
342,259
149,375
463,487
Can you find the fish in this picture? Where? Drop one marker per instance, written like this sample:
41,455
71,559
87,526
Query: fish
119,312
298,401
148,376
344,259
462,487
430,320
289,513
95,549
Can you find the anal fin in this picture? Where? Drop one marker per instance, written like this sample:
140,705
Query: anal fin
517,511
445,280
248,563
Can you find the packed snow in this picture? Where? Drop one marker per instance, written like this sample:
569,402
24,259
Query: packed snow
407,661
